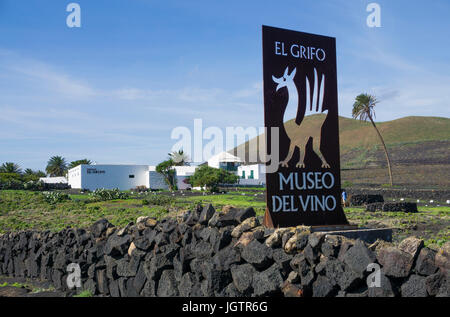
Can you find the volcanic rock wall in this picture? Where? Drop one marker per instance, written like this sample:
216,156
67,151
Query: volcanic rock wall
227,253
423,194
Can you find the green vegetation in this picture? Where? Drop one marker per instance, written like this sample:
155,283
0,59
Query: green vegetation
15,284
158,200
78,162
431,223
237,199
210,178
55,197
168,172
30,172
108,194
25,210
20,181
56,166
85,293
12,177
30,286
10,167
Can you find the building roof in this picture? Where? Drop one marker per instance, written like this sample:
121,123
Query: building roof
54,180
103,165
225,157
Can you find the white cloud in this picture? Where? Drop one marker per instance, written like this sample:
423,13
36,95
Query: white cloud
43,75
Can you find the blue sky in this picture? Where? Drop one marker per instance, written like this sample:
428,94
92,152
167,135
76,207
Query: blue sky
114,89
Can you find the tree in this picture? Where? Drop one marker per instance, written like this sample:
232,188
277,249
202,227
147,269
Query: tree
363,109
179,158
10,167
79,162
168,172
211,177
40,173
56,166
30,174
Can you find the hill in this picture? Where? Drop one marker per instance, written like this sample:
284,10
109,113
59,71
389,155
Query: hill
419,148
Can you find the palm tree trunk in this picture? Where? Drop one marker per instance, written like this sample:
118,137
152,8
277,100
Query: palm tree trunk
385,150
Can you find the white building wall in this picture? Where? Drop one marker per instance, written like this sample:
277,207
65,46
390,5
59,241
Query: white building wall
118,176
54,180
74,177
259,174
155,179
252,182
183,172
109,176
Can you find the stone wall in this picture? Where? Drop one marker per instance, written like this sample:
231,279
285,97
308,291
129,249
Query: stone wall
227,253
421,194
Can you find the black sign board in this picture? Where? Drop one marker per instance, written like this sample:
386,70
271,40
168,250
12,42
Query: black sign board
300,79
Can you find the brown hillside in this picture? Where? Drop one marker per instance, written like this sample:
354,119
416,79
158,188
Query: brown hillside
419,148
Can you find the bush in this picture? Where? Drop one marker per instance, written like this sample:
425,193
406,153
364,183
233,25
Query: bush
34,185
11,184
27,182
55,197
11,181
168,172
211,178
108,194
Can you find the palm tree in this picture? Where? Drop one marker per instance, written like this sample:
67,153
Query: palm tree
10,167
56,166
363,109
40,173
79,162
28,172
179,158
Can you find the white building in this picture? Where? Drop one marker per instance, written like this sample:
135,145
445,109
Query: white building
53,180
126,177
225,161
182,173
108,176
254,174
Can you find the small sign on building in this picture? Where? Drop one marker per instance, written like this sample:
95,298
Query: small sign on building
300,80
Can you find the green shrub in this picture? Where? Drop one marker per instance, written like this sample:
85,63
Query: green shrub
34,185
85,293
11,184
20,181
158,200
55,197
211,178
108,194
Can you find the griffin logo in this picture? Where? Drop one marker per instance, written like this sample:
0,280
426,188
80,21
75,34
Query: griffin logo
314,105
